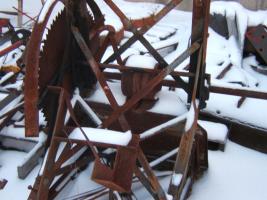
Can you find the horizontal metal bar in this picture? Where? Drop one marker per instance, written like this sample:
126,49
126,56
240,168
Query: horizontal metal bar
124,68
11,48
238,92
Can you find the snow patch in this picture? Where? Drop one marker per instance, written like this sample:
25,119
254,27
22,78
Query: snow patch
176,179
102,136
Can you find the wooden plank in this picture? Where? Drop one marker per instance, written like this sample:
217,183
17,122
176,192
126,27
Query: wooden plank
27,167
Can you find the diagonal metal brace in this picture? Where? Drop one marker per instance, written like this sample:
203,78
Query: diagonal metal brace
138,35
151,85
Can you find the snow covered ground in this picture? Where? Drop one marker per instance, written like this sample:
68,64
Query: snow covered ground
237,173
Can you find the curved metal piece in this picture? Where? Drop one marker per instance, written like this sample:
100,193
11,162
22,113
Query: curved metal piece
32,68
49,67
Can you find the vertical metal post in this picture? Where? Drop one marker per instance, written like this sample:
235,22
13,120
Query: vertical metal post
199,33
20,8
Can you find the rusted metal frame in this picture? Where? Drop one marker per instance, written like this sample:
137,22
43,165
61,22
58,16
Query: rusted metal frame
151,176
67,176
34,188
145,70
52,167
89,143
48,173
72,115
201,9
238,92
145,182
115,47
141,38
150,85
101,79
163,12
31,76
12,47
54,191
77,164
201,150
186,144
197,66
109,39
66,154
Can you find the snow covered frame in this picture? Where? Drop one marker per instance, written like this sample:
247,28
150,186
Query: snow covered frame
192,156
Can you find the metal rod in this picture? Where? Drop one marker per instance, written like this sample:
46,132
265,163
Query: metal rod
239,92
123,68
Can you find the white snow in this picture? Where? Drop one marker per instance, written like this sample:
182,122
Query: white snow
140,61
102,136
163,158
78,99
42,139
237,173
15,187
176,179
217,132
45,9
190,118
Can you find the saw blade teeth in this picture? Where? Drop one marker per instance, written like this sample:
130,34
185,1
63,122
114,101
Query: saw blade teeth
51,25
52,54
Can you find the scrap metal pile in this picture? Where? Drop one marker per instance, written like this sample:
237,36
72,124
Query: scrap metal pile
73,60
121,140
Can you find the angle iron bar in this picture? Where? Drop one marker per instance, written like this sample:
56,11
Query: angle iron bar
201,10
